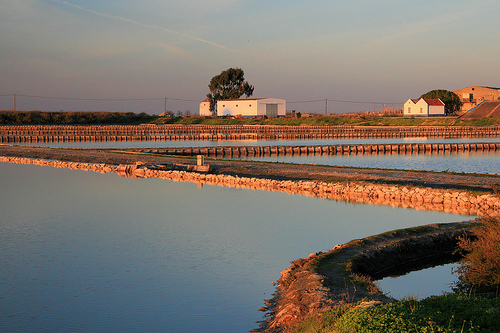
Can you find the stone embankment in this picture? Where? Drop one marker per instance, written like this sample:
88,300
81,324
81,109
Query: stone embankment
457,202
343,149
325,281
88,133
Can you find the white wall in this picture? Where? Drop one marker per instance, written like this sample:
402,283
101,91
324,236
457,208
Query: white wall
249,107
237,107
264,101
205,108
436,110
413,109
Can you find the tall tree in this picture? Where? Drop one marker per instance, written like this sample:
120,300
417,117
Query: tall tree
229,84
451,100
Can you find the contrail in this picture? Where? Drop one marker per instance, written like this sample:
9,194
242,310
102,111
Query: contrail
144,25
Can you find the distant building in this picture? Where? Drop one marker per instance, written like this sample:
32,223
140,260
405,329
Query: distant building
205,108
252,107
423,107
472,96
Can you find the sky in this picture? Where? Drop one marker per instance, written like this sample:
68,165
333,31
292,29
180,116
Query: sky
334,56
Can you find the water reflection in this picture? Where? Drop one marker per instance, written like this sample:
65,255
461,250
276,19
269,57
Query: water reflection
420,284
82,251
469,161
221,143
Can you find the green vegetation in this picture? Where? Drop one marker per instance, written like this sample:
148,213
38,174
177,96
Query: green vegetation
449,98
229,84
447,313
479,270
332,120
89,117
474,307
68,117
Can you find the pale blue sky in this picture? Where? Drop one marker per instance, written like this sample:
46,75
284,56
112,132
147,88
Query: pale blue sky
349,50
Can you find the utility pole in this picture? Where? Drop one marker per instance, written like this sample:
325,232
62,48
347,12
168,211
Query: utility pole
326,105
165,103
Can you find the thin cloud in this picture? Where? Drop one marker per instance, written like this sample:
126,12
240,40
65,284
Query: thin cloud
145,25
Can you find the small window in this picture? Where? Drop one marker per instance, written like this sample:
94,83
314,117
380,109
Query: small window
223,105
249,105
409,109
421,110
236,105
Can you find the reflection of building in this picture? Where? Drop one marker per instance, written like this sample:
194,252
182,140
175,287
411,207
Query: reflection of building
423,107
252,107
205,108
472,96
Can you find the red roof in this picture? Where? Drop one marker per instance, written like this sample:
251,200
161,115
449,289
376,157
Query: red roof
434,101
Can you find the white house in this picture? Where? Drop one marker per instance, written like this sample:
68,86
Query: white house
423,107
205,108
251,107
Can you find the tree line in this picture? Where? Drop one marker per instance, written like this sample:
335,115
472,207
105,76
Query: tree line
71,117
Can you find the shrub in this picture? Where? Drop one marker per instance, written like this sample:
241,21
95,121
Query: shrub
479,270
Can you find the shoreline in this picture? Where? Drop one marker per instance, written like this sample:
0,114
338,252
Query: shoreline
325,281
416,190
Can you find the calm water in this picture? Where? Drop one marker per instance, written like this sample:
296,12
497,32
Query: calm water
469,162
439,276
202,143
81,251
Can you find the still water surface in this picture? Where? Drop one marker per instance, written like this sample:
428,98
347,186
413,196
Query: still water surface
81,251
221,143
469,162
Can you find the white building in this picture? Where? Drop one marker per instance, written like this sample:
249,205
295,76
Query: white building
252,107
205,108
423,107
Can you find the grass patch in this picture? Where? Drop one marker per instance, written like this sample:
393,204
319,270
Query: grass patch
446,313
332,120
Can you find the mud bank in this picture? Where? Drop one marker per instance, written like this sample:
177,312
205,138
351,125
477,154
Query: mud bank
420,198
324,281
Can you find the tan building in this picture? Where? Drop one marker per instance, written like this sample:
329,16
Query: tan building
472,96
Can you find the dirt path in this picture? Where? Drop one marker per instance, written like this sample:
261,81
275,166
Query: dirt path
266,170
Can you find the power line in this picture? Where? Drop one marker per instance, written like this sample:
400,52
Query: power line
106,99
313,101
184,99
361,102
342,101
99,99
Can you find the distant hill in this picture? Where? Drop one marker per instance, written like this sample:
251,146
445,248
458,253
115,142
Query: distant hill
488,109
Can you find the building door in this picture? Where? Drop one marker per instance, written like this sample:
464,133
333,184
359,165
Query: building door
272,110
